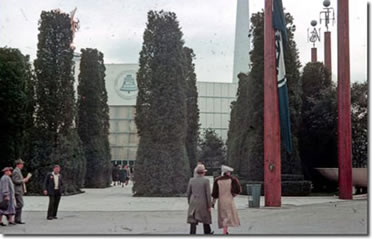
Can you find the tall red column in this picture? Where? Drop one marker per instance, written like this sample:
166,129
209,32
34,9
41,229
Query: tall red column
314,55
272,167
343,99
327,51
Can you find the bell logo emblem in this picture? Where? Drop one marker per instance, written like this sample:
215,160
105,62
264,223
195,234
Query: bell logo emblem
128,84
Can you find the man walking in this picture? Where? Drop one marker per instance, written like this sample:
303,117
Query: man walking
53,188
19,188
200,202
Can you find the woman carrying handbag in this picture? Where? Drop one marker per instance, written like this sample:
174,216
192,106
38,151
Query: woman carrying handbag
7,197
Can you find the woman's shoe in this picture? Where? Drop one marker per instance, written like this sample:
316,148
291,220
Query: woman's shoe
2,224
11,223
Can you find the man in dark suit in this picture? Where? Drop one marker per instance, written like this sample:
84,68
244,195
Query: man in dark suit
53,188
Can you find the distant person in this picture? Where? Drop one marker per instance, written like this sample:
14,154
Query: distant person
115,174
199,200
197,164
126,167
131,173
53,184
123,176
225,188
20,189
7,196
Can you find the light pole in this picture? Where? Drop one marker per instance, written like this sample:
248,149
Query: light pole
313,37
327,16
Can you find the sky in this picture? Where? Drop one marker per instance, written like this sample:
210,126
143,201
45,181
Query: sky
116,28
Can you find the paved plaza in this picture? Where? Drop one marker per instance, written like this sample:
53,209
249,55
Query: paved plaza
114,211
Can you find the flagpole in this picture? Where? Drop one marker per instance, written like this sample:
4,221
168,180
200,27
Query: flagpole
344,102
272,167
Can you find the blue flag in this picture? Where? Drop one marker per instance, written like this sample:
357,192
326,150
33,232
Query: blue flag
281,39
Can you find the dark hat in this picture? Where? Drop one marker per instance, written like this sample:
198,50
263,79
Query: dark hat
7,169
19,161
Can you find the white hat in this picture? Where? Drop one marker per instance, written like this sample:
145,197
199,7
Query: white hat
225,169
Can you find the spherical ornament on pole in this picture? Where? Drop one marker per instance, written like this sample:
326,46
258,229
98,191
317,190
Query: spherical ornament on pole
326,3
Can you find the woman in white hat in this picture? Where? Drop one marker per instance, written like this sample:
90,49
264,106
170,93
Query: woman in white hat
225,188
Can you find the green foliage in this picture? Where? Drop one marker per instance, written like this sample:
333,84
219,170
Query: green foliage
93,118
213,151
318,131
162,166
54,72
54,137
359,123
15,104
192,108
245,136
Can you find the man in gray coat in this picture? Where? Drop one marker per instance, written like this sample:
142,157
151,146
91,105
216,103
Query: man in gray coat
19,188
200,203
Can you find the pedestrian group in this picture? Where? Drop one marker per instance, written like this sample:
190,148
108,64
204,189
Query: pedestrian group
13,187
201,200
200,197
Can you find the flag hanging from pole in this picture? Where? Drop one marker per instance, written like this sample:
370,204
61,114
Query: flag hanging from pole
281,39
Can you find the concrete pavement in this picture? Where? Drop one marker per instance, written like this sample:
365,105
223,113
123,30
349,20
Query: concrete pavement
114,211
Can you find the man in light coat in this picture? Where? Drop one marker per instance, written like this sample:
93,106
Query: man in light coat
200,203
19,188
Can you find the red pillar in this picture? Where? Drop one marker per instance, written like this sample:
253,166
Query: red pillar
343,99
272,168
314,55
327,51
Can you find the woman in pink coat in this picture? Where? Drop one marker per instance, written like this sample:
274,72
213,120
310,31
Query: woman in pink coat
225,188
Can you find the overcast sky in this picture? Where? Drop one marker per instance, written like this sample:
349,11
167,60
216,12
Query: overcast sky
115,27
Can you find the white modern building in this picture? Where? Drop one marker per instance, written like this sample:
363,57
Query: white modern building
214,103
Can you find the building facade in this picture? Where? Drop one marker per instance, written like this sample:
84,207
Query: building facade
214,100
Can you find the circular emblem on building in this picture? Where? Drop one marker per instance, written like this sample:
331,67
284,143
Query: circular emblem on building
126,85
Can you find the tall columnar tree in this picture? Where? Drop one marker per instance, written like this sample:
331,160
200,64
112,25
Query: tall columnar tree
192,108
93,118
56,140
318,131
15,101
245,137
162,166
213,151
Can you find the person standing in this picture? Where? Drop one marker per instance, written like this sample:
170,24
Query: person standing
123,176
20,189
225,188
199,200
7,194
115,174
53,188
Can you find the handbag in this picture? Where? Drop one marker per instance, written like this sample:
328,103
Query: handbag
4,205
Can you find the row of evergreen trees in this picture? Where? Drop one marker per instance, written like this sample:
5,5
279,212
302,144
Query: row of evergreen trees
42,122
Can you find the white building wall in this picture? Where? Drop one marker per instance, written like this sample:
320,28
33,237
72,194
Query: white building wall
214,100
